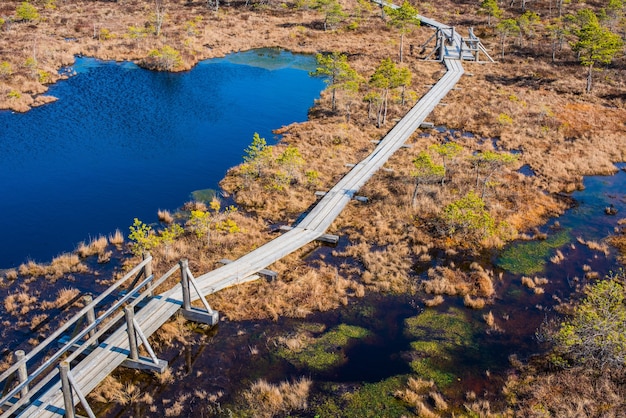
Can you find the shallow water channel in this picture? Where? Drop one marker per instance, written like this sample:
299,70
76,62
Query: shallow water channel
360,355
122,142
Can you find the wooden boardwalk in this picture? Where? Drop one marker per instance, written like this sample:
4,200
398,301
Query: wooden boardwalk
115,350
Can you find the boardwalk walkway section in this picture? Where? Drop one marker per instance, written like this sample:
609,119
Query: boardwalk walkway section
115,350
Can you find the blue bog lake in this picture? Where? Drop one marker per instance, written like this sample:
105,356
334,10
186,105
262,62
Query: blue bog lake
122,142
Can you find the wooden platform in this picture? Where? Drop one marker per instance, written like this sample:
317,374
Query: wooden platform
114,350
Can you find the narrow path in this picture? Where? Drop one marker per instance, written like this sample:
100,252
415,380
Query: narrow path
114,350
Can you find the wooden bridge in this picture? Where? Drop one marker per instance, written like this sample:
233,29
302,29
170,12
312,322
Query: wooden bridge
98,345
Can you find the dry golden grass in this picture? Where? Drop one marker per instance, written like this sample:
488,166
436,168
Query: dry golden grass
436,301
440,403
64,296
489,319
454,282
477,303
37,320
165,378
528,282
567,393
95,246
294,343
11,274
296,293
117,238
177,407
619,242
20,303
58,267
175,330
165,216
268,400
558,257
112,390
416,396
596,246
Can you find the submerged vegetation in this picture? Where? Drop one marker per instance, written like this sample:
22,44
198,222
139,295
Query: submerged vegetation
322,353
530,257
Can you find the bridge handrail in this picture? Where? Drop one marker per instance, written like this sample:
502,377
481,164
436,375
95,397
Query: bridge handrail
136,272
92,339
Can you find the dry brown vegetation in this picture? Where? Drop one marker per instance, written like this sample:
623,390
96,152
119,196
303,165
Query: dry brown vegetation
64,296
566,393
20,303
420,395
57,268
268,400
619,242
111,390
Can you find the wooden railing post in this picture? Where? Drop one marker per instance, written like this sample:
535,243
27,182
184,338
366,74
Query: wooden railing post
148,272
22,372
132,336
91,316
66,388
184,282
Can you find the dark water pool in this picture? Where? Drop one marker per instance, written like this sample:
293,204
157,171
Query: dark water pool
122,142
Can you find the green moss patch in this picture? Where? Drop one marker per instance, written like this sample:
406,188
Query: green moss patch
369,400
447,328
437,336
325,352
428,369
530,257
204,195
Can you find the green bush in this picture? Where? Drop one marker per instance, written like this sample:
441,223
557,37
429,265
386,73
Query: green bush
5,69
164,59
27,12
595,335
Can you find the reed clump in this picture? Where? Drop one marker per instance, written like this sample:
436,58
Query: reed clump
420,394
565,392
20,303
117,238
165,216
57,268
95,246
476,286
266,399
64,297
112,390
535,284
